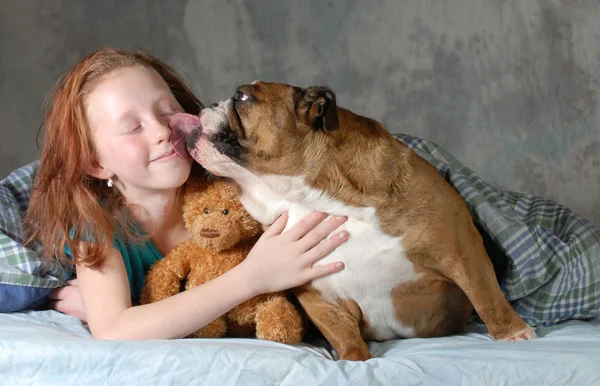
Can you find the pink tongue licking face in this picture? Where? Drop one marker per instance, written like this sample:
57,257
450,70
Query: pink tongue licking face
181,126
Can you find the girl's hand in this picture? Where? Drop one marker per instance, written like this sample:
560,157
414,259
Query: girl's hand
280,261
68,300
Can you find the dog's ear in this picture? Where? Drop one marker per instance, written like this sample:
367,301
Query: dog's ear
321,109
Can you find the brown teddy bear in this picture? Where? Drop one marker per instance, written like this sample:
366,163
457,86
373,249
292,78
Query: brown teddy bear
222,235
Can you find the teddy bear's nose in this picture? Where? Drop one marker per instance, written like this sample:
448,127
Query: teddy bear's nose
209,233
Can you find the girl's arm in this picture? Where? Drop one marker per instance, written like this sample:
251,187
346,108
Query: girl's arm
110,315
278,261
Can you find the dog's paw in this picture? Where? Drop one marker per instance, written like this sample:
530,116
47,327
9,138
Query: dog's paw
526,333
360,353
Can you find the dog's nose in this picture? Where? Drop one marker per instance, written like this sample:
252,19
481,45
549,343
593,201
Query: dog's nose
213,105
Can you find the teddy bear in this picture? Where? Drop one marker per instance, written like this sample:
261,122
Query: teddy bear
223,234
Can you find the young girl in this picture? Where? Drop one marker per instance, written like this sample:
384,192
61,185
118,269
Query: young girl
108,175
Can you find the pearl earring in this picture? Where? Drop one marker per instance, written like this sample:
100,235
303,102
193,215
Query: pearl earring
110,182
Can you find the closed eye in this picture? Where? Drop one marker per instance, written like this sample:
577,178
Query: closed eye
167,113
135,129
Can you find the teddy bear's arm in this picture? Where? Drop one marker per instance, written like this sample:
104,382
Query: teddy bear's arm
165,277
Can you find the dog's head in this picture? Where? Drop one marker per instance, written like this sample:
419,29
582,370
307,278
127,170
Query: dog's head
265,128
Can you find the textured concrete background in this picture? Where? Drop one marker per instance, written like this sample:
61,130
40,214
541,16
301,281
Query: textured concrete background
509,86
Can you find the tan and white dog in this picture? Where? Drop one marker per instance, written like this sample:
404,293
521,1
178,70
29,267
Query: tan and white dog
415,264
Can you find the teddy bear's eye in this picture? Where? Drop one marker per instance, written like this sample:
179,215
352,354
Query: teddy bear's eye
205,210
225,211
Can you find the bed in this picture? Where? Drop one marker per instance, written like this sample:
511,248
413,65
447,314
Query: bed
46,347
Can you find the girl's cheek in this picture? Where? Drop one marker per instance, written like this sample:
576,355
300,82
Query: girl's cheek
133,150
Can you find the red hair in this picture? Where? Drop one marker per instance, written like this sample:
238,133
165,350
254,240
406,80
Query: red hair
65,197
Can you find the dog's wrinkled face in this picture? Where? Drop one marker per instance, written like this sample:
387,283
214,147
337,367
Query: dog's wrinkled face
266,128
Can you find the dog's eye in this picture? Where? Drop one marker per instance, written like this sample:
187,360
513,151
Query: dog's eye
205,210
225,211
240,96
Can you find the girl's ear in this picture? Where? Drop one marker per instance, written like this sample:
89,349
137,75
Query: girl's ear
99,172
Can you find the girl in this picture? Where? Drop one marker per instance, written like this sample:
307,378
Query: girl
107,198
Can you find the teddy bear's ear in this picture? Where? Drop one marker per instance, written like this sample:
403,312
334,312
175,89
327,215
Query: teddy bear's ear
198,183
250,226
192,185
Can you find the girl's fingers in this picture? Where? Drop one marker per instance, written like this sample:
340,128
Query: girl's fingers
278,225
305,225
320,232
61,293
326,247
57,305
324,270
57,294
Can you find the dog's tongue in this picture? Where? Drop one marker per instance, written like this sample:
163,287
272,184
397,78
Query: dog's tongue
181,126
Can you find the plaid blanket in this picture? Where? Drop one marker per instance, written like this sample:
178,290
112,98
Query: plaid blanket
553,255
25,279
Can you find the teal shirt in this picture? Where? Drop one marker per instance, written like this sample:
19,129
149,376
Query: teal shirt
138,258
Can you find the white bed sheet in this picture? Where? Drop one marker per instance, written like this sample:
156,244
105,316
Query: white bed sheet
48,348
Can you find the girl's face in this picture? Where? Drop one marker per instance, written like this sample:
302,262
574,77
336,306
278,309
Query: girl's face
128,112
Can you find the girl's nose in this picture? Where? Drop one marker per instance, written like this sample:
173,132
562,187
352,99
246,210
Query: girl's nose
162,132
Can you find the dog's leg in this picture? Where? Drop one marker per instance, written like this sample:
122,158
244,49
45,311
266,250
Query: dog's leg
465,261
432,306
338,324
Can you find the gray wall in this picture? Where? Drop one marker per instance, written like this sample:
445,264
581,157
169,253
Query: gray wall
509,86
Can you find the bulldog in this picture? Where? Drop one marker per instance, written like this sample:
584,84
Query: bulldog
415,264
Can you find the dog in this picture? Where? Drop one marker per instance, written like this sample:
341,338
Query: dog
415,264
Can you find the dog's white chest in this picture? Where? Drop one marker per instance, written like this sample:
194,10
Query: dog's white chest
375,262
